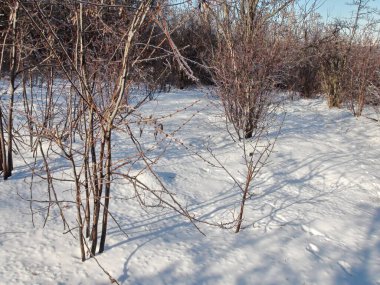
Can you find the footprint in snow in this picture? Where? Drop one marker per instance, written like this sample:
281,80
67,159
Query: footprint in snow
312,248
346,267
312,231
281,218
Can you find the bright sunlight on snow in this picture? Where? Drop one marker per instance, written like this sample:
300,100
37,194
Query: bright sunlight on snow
314,217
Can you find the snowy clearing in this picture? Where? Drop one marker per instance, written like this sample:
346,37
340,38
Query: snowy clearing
315,218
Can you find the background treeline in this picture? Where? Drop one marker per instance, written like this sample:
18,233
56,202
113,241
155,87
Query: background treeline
340,58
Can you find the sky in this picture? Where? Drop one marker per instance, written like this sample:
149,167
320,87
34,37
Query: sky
330,9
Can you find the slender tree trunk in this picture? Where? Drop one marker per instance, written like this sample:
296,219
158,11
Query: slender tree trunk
3,153
27,108
97,177
9,160
87,175
79,209
107,192
49,99
244,198
13,74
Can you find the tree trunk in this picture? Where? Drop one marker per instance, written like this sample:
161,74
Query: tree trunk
107,192
13,74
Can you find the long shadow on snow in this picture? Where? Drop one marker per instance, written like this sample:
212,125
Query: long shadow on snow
165,216
204,276
316,166
207,256
369,258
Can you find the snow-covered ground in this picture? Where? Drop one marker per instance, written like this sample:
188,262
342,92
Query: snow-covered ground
315,218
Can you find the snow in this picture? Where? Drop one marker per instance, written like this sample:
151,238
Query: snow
314,218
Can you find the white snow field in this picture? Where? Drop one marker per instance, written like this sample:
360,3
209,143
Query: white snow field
315,218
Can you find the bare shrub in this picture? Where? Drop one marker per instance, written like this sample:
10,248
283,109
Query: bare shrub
247,67
101,59
362,66
246,72
350,60
304,71
332,67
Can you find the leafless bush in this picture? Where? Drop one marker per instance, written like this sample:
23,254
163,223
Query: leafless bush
247,67
245,86
101,61
362,66
350,60
306,35
333,62
246,72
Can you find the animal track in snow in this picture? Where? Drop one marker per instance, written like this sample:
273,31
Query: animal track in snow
312,248
281,218
345,266
312,231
